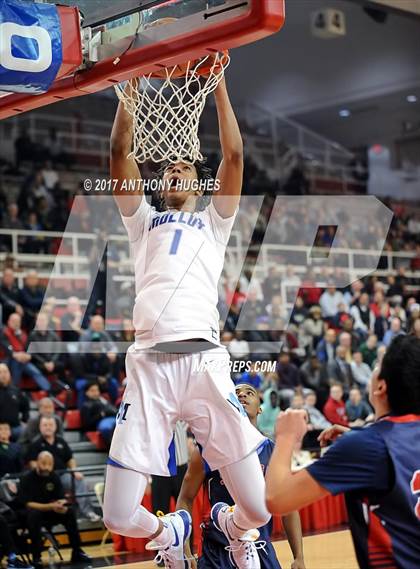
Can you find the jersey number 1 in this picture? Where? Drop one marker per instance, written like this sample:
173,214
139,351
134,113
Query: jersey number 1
415,489
175,242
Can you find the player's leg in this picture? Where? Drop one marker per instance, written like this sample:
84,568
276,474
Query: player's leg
123,512
142,442
245,482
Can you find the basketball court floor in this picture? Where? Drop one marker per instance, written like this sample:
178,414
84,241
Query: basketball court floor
323,551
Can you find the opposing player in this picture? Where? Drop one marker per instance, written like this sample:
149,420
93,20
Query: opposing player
377,467
178,258
216,551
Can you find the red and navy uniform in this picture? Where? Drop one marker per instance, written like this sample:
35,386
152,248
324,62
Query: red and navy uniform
378,468
214,555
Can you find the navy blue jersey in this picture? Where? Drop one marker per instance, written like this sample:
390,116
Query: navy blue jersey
214,555
378,468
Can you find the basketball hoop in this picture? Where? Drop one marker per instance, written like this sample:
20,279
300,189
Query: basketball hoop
166,107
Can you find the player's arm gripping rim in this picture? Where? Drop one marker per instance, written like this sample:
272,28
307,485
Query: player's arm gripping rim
124,169
230,173
193,480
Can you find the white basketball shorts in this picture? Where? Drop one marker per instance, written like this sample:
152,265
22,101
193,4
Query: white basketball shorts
164,388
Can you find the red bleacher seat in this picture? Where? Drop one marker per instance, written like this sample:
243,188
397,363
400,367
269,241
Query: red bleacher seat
73,420
96,439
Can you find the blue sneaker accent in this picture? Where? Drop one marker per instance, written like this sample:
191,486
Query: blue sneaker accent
176,536
186,518
214,514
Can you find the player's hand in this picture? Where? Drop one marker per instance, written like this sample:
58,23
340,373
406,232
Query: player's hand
293,423
78,475
331,434
298,564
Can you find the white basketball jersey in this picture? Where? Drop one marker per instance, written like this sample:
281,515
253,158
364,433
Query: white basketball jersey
178,260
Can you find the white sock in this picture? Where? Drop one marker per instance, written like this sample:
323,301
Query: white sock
166,536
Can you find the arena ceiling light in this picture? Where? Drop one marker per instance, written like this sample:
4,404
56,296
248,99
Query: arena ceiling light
344,113
412,98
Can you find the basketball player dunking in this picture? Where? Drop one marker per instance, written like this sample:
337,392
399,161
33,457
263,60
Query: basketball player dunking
378,467
178,259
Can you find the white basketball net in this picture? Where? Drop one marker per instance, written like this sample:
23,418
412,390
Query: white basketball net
166,111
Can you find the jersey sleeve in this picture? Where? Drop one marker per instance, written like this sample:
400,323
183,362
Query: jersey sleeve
359,460
222,227
136,222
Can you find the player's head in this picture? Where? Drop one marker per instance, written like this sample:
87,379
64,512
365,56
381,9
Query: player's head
395,384
250,400
183,181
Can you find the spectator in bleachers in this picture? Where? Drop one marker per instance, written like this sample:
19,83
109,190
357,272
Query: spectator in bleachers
14,342
394,331
349,338
252,310
357,410
311,329
42,493
71,321
48,363
24,148
31,431
369,350
318,421
364,319
325,349
335,409
415,328
14,405
31,295
12,220
330,301
299,313
49,441
272,284
360,370
96,366
382,322
56,152
11,461
9,295
339,369
97,413
310,373
97,327
35,245
348,342
297,401
270,410
289,378
238,347
50,177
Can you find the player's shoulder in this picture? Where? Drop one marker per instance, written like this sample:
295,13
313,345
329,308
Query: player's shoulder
362,441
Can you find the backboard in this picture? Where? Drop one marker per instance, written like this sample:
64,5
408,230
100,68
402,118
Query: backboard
121,39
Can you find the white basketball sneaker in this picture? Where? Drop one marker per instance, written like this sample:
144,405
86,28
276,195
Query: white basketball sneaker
173,556
243,551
